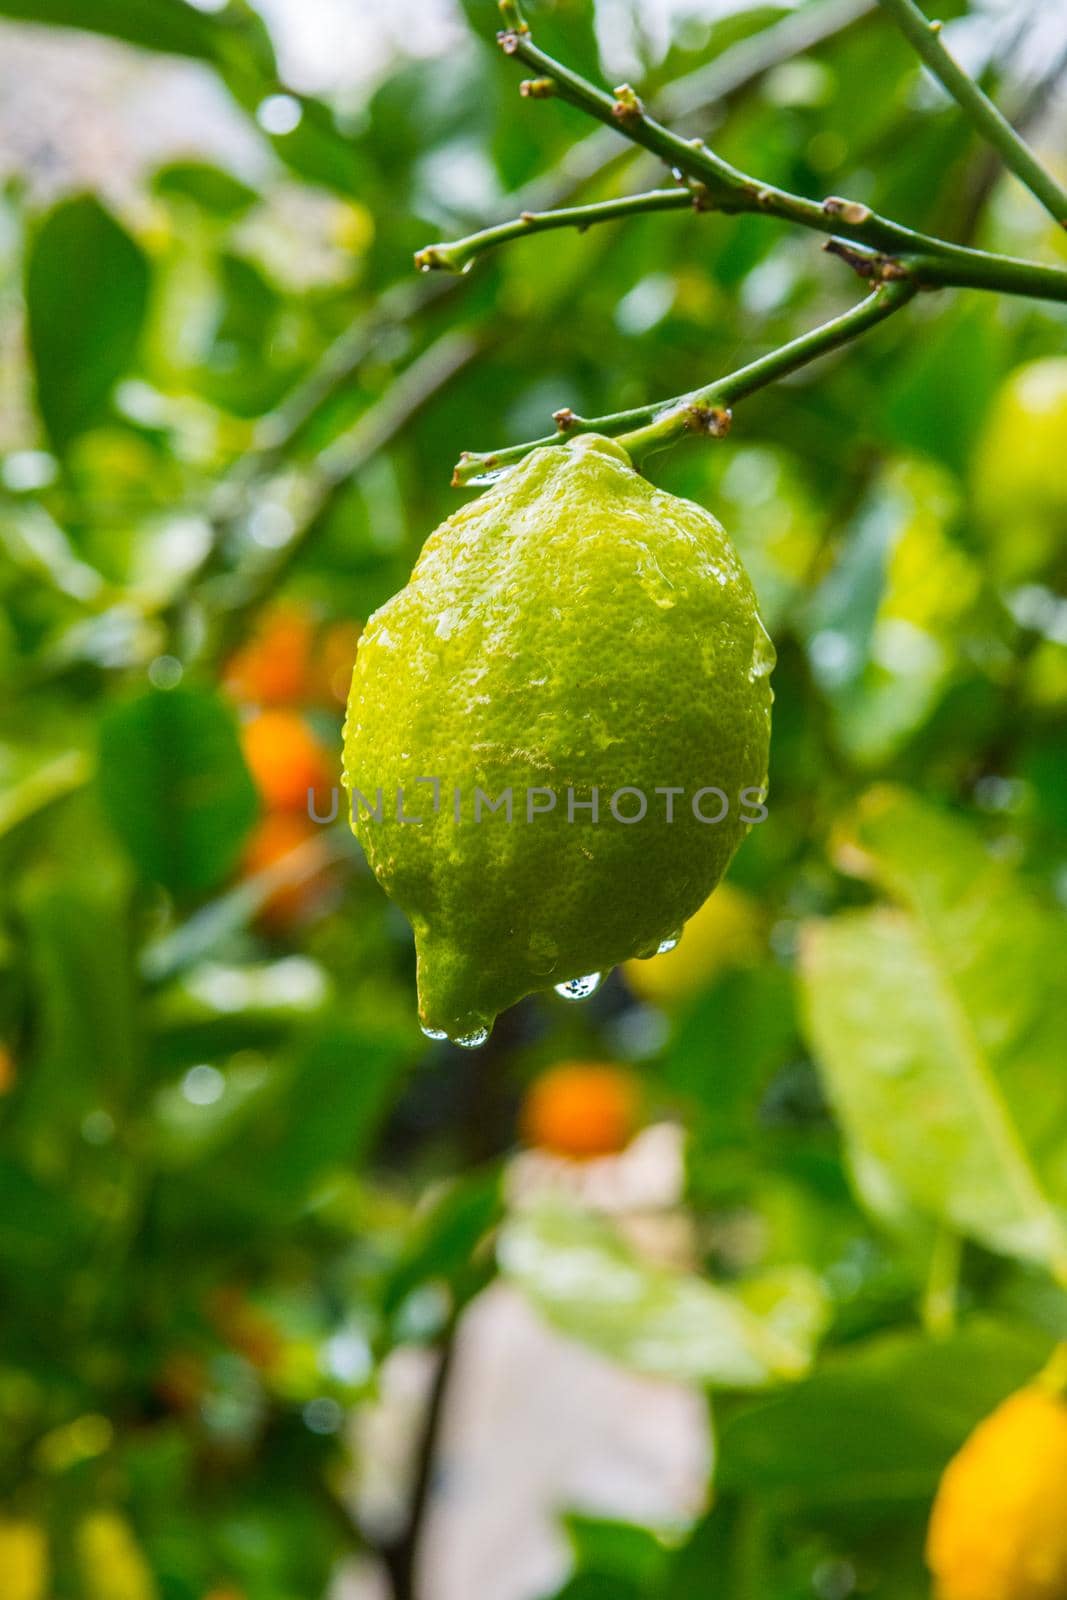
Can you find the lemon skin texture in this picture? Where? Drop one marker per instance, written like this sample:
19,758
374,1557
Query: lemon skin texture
574,629
998,1530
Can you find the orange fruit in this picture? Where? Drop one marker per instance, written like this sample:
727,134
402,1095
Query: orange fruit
275,839
8,1073
582,1109
273,668
998,1530
285,759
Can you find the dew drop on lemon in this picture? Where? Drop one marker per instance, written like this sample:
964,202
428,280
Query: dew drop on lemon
580,988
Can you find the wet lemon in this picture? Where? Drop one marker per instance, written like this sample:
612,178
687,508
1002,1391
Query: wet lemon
557,732
998,1530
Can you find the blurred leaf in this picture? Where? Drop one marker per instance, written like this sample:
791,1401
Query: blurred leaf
167,25
213,189
939,401
445,1240
320,1110
615,1549
878,1423
917,1096
591,1286
175,787
87,1050
86,296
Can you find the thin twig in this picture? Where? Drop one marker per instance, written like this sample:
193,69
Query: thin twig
706,410
925,38
730,190
460,254
400,1555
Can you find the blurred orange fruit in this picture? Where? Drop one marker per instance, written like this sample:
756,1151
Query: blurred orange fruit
277,837
181,1380
8,1073
285,759
998,1530
582,1109
246,1328
273,668
725,932
335,656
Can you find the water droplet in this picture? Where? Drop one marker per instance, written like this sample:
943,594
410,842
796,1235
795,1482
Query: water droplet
472,1041
579,988
433,1033
764,655
668,943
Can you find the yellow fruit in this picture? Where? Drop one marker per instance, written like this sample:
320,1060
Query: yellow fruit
575,635
112,1565
1020,467
582,1109
23,1561
999,1525
724,933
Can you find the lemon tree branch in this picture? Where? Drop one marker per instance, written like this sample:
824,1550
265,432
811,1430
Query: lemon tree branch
727,189
459,256
706,410
925,38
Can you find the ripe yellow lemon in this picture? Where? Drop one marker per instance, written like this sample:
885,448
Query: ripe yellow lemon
998,1530
557,731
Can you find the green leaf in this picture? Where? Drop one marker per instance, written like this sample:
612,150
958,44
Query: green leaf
615,1549
447,1237
318,1111
591,1286
87,1050
213,189
915,1092
997,944
877,1424
175,787
169,26
86,295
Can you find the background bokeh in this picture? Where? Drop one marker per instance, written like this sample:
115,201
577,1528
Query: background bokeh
294,1303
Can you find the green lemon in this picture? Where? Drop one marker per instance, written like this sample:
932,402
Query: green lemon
581,652
1020,468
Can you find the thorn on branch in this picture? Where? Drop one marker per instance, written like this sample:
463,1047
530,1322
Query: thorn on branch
854,212
702,196
628,105
714,421
566,420
537,88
